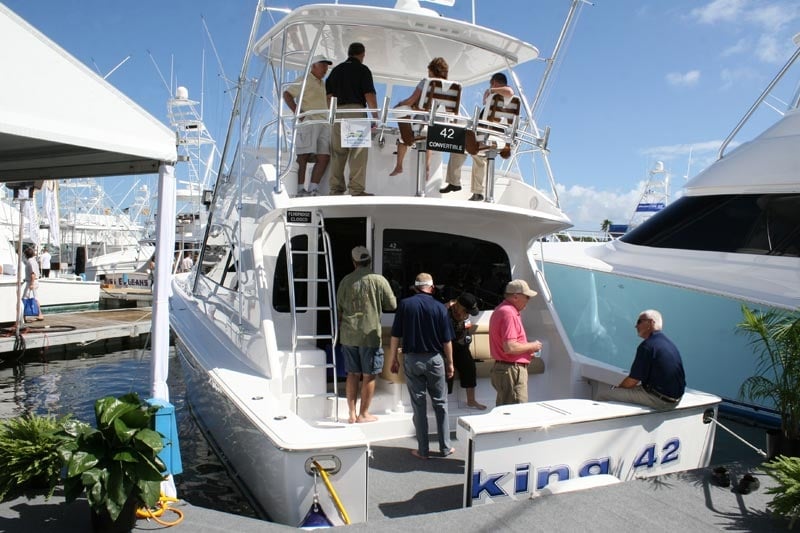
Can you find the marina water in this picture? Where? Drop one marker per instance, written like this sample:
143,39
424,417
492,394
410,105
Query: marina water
71,385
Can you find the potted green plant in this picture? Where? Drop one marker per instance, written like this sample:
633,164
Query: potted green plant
115,463
29,455
775,335
786,501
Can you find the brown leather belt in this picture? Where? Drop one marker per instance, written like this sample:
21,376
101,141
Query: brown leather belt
662,397
509,364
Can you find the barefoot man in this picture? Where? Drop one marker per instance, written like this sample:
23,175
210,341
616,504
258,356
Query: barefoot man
360,300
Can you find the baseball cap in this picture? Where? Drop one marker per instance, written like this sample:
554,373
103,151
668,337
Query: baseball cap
469,303
423,280
360,253
321,59
520,286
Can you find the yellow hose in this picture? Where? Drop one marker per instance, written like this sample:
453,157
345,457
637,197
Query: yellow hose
161,507
332,491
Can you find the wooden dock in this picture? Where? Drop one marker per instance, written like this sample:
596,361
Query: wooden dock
125,297
80,328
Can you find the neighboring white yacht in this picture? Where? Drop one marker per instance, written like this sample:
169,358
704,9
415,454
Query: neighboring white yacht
99,238
60,291
252,329
733,239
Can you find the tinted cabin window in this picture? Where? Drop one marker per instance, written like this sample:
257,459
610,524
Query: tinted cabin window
750,224
457,263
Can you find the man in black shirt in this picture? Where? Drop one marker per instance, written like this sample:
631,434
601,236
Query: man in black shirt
351,83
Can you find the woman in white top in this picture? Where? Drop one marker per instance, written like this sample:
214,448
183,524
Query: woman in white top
32,276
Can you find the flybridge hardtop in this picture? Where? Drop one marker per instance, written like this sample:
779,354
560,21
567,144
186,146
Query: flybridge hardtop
743,171
398,47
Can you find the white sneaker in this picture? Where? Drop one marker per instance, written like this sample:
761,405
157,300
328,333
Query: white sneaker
301,193
315,192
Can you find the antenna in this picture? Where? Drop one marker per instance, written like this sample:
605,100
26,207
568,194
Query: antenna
110,72
216,55
689,164
166,85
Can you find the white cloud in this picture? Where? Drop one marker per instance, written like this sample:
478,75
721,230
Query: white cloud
720,10
773,17
768,20
731,77
588,207
742,47
683,80
770,50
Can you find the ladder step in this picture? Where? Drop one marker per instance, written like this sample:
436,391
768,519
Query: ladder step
324,365
308,252
318,280
314,308
313,337
325,395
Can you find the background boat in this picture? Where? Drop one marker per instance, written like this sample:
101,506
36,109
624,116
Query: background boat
733,239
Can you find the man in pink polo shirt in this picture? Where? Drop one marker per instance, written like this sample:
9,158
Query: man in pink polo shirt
509,345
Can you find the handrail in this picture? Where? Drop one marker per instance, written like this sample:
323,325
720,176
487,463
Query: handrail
237,102
757,103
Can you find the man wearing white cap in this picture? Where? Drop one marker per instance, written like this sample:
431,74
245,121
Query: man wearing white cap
360,300
311,139
422,324
509,346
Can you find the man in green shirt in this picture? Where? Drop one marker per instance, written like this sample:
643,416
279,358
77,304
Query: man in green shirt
361,299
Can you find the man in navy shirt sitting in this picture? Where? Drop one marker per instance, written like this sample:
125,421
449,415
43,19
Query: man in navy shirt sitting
423,325
656,378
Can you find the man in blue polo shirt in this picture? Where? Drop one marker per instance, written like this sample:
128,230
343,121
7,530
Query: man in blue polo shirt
656,378
424,327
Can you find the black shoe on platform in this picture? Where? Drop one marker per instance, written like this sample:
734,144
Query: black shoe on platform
747,484
450,188
476,198
721,477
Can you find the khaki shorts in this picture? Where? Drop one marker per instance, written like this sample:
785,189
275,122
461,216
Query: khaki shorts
313,139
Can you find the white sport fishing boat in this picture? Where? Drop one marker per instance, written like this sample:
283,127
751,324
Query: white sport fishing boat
252,330
733,239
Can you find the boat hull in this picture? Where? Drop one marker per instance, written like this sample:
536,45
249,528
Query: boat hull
272,471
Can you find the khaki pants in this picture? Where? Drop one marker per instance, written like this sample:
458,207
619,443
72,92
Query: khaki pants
340,156
478,171
511,383
635,395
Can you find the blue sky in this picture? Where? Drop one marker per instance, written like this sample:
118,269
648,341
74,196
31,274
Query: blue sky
639,81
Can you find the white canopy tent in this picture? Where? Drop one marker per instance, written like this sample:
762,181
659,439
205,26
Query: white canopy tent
58,119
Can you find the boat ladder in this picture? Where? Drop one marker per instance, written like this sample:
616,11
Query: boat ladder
319,273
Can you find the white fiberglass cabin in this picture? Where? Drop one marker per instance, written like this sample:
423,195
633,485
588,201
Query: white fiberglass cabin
732,239
253,327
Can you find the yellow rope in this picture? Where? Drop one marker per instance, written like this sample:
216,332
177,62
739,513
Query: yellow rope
161,507
332,491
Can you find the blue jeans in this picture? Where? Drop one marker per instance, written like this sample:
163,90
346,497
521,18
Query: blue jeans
426,374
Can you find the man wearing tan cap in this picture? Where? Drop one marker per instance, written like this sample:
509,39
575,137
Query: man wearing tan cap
360,300
311,139
509,345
